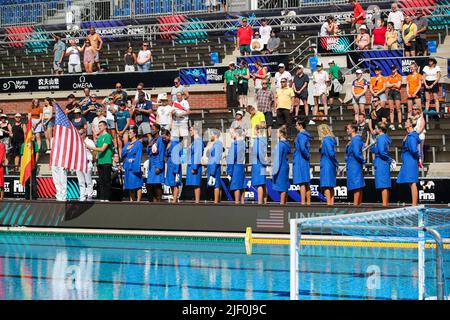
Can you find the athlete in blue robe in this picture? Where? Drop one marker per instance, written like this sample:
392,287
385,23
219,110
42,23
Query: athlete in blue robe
258,161
328,163
355,162
156,161
280,171
173,162
382,161
132,165
301,156
214,158
409,172
195,164
236,169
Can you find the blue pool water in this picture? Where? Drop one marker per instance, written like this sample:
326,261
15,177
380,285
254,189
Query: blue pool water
76,267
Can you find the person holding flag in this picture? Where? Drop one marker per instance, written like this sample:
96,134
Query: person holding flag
29,152
69,152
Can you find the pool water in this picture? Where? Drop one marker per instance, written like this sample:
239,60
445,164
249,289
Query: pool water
34,266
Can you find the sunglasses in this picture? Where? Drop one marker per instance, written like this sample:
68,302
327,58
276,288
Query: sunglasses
145,45
415,109
118,87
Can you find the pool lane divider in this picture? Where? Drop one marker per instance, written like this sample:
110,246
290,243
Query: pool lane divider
250,240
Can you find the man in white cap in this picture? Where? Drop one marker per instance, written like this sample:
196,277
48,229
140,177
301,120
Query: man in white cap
336,87
230,85
320,80
282,73
363,39
163,113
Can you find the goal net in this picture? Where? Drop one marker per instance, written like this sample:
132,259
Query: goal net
388,254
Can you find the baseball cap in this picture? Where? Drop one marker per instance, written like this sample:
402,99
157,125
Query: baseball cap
330,61
359,71
17,115
281,65
377,68
162,96
363,27
240,112
393,66
301,66
77,110
320,64
71,96
231,62
3,115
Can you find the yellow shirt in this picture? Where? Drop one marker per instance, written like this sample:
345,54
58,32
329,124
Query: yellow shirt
255,120
284,98
407,37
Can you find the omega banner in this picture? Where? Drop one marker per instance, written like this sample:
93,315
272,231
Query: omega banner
431,191
151,79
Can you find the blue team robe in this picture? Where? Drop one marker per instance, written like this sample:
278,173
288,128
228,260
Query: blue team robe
156,161
280,171
355,163
409,172
382,162
194,163
173,162
236,165
328,163
214,158
302,154
258,161
132,166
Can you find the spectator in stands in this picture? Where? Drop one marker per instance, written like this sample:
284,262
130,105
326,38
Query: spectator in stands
257,121
419,127
372,18
336,87
363,39
144,58
396,17
178,87
180,114
6,134
239,123
71,106
363,128
320,79
89,56
244,37
130,60
86,100
378,115
211,5
329,27
378,87
282,73
300,86
101,117
260,75
123,118
36,121
78,121
359,89
119,95
58,55
74,54
224,5
359,15
379,35
19,130
139,91
230,86
96,43
164,112
256,45
111,109
431,78
243,75
284,103
391,42
274,43
89,111
142,113
413,87
265,100
48,121
421,34
265,31
409,31
394,84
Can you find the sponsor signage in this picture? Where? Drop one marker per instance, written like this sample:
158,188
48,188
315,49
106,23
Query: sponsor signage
335,44
269,61
202,75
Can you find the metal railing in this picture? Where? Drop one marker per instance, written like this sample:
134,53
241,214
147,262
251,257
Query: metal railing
294,4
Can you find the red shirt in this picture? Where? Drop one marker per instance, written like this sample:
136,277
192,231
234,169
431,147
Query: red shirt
379,36
357,10
245,35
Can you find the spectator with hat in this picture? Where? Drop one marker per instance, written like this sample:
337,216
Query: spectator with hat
239,123
244,37
274,43
89,111
394,84
320,80
164,112
256,45
377,86
421,35
78,120
300,86
336,87
242,77
19,130
282,73
363,38
284,103
359,89
230,85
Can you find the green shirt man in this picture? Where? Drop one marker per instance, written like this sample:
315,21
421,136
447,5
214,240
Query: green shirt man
105,157
230,78
241,72
334,70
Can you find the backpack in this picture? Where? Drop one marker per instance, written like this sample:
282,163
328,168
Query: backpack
341,77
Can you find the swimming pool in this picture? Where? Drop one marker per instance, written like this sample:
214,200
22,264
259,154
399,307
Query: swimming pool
35,266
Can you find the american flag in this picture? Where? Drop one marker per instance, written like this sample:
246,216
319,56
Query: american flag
275,219
68,149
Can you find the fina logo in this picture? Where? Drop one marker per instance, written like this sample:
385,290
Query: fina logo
423,194
82,84
18,85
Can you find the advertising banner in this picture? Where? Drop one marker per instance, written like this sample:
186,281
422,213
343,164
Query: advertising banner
269,61
202,75
335,44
